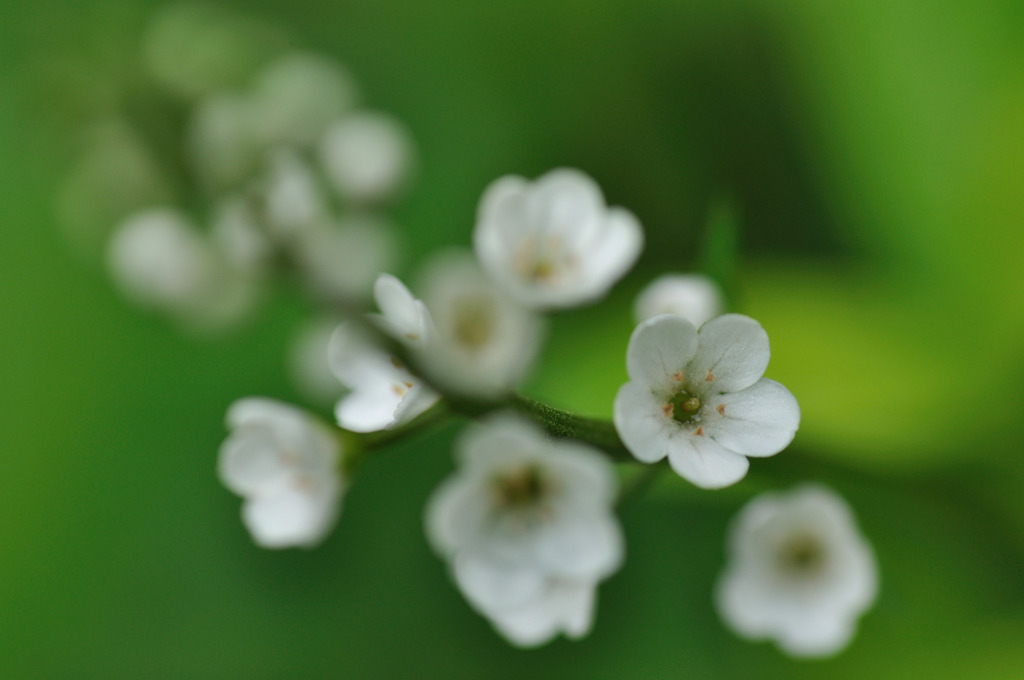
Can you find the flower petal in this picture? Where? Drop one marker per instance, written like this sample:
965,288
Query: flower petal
250,461
491,585
369,408
402,315
733,354
659,349
580,547
642,425
456,514
705,463
568,606
758,421
289,519
616,252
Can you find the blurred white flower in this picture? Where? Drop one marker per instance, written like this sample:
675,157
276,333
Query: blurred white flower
553,242
527,525
698,397
342,258
367,156
384,393
222,143
236,232
292,197
115,176
296,96
484,342
694,297
308,368
799,572
194,49
159,260
285,465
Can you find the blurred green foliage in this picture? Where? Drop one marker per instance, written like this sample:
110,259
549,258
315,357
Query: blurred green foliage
874,150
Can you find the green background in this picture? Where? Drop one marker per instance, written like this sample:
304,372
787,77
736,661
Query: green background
876,149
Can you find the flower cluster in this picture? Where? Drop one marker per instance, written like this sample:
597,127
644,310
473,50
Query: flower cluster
295,178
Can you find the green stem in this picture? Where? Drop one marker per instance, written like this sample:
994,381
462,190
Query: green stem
564,425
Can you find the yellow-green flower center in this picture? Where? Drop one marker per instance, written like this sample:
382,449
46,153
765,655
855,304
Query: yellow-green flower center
684,406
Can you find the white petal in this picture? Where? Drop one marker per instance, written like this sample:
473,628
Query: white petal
615,253
825,637
417,400
581,547
403,315
642,424
568,204
250,461
564,606
366,155
694,297
491,585
369,408
705,463
758,421
502,441
659,349
289,519
456,514
586,478
732,355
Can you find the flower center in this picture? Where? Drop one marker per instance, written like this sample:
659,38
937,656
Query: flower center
801,554
685,406
473,325
519,488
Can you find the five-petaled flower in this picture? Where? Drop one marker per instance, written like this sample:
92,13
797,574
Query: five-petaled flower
528,527
285,464
553,242
698,398
799,572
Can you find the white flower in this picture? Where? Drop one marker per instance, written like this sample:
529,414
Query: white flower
285,465
799,572
694,297
342,258
698,397
384,393
296,96
554,242
528,527
221,141
484,342
160,260
367,156
292,197
237,233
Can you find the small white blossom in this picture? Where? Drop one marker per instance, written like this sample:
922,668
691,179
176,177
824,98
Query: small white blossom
160,260
285,465
527,525
221,141
342,258
698,398
484,342
799,572
298,95
292,197
384,393
194,49
694,297
367,156
553,242
237,233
